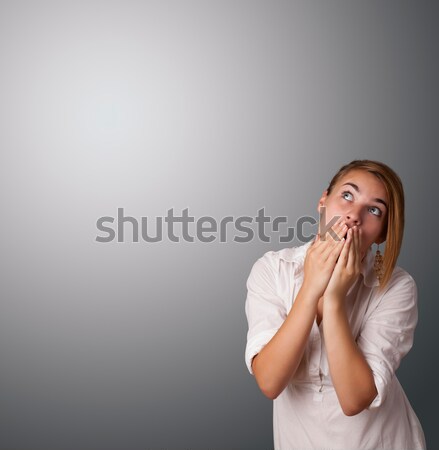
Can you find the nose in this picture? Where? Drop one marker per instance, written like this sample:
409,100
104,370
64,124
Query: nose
353,217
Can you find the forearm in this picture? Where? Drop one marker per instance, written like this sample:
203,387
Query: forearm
276,363
351,375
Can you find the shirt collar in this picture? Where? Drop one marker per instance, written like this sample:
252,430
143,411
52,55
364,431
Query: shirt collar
297,255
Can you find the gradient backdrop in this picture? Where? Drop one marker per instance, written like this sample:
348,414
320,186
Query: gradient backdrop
222,107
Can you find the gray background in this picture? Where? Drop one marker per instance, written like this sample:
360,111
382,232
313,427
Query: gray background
223,107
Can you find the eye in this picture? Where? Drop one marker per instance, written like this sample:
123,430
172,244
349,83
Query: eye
375,210
347,195
372,209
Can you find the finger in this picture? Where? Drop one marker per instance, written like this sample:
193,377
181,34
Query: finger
354,250
344,255
360,246
326,236
317,238
329,231
358,249
340,229
343,252
336,251
355,258
347,250
331,247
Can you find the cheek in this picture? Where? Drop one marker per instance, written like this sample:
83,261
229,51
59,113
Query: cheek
372,229
336,207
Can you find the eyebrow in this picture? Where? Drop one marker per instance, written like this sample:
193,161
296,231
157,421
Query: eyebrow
378,200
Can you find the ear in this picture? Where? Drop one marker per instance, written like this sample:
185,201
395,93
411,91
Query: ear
322,200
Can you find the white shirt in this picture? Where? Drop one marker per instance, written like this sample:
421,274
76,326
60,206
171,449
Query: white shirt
307,414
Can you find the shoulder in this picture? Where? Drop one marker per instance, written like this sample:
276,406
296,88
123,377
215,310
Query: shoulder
275,260
400,294
277,266
401,282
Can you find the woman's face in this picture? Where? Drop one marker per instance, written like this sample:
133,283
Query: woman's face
360,198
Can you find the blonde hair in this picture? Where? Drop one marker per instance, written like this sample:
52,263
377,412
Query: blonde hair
393,229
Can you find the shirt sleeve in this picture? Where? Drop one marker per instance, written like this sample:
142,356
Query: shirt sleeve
387,335
264,309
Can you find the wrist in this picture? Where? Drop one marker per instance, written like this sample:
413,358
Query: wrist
333,301
310,292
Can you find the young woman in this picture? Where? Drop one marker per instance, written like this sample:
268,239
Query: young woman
330,321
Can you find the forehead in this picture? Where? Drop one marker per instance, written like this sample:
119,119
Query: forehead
367,182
